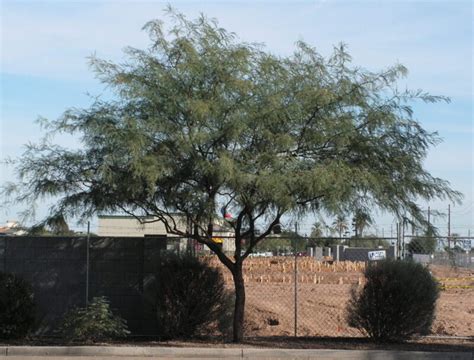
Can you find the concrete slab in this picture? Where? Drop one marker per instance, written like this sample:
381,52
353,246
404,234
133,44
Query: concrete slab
130,351
143,352
352,354
91,358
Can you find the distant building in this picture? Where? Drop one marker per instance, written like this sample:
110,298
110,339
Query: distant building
224,235
128,226
12,228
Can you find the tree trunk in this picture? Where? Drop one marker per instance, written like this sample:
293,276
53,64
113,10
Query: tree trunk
239,309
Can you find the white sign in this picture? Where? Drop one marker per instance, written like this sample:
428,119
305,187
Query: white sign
377,255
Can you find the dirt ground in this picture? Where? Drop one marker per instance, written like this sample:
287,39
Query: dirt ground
321,311
323,290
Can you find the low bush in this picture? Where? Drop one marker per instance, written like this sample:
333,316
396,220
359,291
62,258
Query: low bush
17,307
397,301
422,245
191,298
96,322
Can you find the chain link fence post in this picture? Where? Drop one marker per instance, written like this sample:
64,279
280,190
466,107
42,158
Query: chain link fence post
87,262
296,289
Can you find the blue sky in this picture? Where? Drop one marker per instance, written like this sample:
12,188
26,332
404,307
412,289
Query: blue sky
45,45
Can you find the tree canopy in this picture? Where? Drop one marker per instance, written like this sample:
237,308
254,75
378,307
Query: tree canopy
202,121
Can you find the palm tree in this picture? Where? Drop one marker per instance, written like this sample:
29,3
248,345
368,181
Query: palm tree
361,220
340,225
317,230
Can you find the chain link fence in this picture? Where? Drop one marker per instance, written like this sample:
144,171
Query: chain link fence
294,286
302,289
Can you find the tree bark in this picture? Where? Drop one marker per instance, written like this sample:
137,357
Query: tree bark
239,308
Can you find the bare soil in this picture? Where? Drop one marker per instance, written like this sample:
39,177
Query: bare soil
323,290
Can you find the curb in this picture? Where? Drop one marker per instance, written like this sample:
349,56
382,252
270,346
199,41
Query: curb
236,353
119,351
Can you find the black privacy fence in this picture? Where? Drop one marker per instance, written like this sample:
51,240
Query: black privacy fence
294,286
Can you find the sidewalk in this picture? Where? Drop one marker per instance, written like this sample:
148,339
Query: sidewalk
143,352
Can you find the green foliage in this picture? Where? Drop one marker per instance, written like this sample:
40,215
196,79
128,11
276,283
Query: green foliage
275,244
324,242
422,245
96,322
317,230
367,242
17,307
54,225
317,236
397,301
199,114
360,221
200,119
286,242
191,297
340,226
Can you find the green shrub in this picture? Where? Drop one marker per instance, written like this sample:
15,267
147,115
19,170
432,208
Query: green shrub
191,298
422,245
397,301
96,322
17,307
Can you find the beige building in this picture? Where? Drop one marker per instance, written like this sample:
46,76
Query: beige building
128,226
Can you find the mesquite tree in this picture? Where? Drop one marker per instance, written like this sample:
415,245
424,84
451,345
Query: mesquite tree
202,121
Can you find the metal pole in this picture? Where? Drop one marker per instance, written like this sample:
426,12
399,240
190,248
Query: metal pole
429,216
403,238
87,262
296,281
5,250
398,242
449,226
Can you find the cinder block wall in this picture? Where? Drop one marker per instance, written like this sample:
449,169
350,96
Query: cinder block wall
122,269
